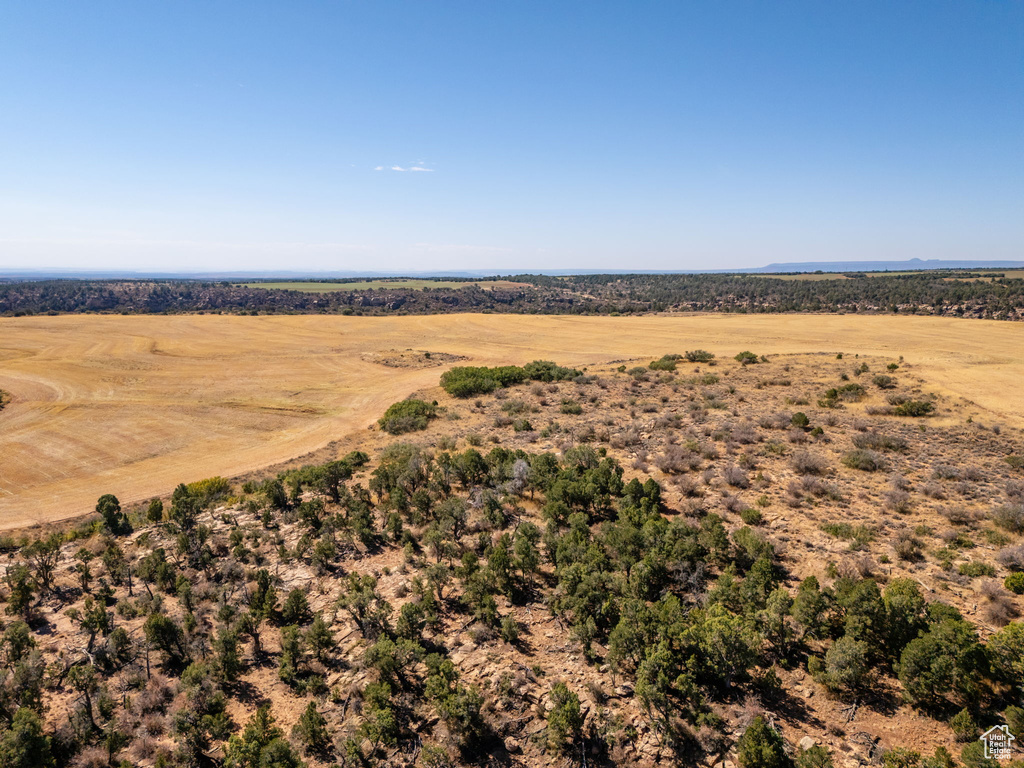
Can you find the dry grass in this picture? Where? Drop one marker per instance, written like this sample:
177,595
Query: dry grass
134,405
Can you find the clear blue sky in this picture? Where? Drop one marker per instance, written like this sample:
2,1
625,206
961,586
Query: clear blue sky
628,135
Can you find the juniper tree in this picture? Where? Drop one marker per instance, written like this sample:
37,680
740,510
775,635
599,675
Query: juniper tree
311,731
565,719
110,509
761,746
319,638
24,744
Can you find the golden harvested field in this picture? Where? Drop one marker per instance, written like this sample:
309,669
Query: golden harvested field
133,405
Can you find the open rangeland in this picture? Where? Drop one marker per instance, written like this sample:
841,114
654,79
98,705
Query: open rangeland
135,405
774,533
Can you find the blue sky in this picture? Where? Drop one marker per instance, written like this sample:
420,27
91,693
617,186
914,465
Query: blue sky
639,135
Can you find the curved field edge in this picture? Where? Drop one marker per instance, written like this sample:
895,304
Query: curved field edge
133,405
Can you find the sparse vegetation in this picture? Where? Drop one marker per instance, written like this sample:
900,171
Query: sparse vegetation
1009,517
483,588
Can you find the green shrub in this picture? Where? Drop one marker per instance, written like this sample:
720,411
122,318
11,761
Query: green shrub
666,363
747,358
311,731
761,746
545,370
830,399
754,517
851,393
208,490
571,407
800,420
296,608
884,382
522,425
1015,583
846,668
864,460
1014,717
509,630
466,381
25,744
914,408
879,442
943,660
975,569
469,380
565,719
963,726
699,356
815,757
973,756
859,536
407,416
509,375
515,407
901,757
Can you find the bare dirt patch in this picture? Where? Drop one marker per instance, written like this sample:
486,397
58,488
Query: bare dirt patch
411,358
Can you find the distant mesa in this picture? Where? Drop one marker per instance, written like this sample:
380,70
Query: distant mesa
883,266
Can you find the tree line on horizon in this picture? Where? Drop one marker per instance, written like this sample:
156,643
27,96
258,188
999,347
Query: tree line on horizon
929,293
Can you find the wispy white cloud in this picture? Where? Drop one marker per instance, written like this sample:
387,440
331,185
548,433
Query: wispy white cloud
418,167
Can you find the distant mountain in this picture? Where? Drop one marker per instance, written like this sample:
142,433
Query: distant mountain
882,266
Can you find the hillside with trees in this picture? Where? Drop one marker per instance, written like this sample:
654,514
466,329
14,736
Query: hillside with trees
794,561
